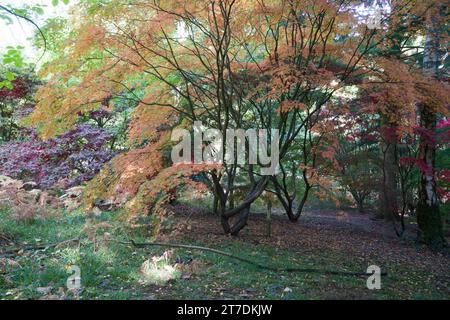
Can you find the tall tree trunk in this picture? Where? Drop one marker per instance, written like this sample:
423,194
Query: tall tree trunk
390,189
429,219
269,218
379,213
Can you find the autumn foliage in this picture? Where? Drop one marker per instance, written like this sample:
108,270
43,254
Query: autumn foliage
340,93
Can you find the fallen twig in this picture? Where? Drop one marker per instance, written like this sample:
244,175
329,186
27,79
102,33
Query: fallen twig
12,252
256,264
5,238
15,251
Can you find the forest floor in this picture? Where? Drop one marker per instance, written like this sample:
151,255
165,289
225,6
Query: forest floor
322,240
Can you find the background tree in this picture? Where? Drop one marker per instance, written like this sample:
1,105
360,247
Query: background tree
428,213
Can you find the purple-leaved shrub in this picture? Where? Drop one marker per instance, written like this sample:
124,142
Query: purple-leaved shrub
64,161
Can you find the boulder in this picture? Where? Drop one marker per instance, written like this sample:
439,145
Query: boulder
104,205
44,290
36,193
72,198
96,212
74,192
7,182
28,186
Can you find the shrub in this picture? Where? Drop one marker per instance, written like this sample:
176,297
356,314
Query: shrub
64,161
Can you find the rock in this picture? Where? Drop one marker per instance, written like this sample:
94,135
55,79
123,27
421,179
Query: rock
74,192
97,212
61,295
104,205
7,182
36,193
72,198
71,204
76,292
287,290
44,290
28,186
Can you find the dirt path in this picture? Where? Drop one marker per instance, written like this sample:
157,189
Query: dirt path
350,233
355,221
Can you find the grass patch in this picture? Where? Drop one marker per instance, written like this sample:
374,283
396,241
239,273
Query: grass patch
114,271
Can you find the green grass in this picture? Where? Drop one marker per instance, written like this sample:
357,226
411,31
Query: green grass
112,271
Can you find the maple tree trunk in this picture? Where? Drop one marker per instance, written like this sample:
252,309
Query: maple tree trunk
240,221
269,219
288,205
235,218
215,204
359,198
428,213
300,208
390,190
379,214
361,206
